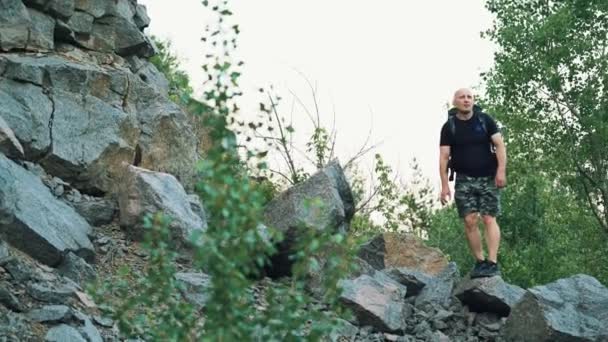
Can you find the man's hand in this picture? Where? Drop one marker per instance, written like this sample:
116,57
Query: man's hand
501,179
445,194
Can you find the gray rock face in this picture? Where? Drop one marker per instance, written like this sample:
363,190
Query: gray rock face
15,327
144,191
51,314
167,141
4,253
27,110
195,287
9,300
9,145
75,268
32,220
289,210
571,309
87,131
14,25
42,31
297,208
63,333
81,121
377,301
489,295
414,280
51,293
97,211
439,290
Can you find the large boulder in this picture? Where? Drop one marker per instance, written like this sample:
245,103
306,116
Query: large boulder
439,289
490,294
81,120
402,250
323,202
33,220
143,191
570,309
377,301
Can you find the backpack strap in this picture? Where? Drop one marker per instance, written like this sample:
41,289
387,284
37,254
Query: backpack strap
452,125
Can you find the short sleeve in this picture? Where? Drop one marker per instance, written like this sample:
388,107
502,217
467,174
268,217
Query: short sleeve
446,137
491,125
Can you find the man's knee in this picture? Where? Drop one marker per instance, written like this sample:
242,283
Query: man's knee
488,220
470,221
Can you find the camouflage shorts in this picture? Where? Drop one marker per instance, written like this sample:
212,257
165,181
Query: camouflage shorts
477,194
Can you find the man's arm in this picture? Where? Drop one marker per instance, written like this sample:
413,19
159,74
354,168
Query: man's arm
444,156
501,156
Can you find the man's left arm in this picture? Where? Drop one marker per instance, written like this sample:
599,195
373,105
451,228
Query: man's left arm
501,156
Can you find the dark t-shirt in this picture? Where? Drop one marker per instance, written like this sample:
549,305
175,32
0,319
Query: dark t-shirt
470,146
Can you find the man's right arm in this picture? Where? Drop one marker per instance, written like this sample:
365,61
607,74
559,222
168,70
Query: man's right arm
444,156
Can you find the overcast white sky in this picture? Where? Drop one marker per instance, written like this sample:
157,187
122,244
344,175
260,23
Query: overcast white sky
398,59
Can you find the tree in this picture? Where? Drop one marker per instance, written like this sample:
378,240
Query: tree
550,84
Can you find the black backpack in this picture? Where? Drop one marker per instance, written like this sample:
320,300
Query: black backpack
481,117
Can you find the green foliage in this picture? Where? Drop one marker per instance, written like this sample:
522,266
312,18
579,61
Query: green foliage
549,86
180,90
406,206
235,247
149,305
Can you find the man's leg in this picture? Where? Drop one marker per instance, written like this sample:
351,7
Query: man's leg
471,228
492,237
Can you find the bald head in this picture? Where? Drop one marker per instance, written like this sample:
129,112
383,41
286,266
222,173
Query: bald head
463,100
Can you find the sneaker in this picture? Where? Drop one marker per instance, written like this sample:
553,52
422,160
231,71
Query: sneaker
479,269
490,269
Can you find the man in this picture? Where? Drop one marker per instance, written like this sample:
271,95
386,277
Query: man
478,156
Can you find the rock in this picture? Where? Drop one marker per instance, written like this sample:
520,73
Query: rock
4,253
19,270
414,280
27,110
439,290
376,301
15,327
402,250
89,331
194,287
341,331
81,22
167,142
51,314
149,74
128,39
144,191
570,309
97,211
58,8
141,18
8,299
15,23
41,32
293,210
63,333
49,293
88,132
32,220
94,8
9,145
75,268
197,207
103,321
490,294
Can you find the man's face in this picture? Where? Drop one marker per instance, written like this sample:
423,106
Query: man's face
464,100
